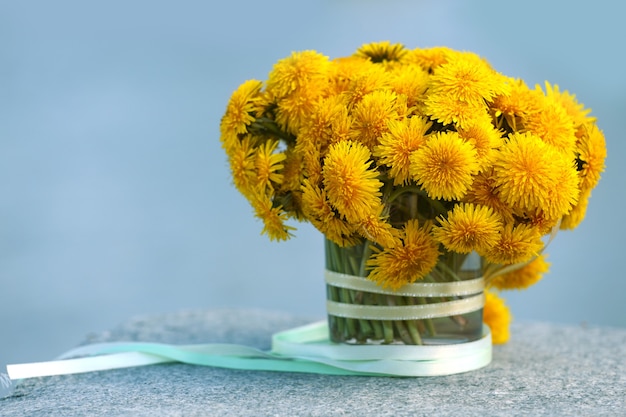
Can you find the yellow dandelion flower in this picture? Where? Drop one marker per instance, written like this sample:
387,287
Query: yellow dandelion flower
375,229
268,163
460,89
468,79
444,166
531,175
497,316
430,58
591,156
551,123
292,174
572,219
314,202
242,165
239,112
564,194
447,109
396,146
368,78
311,161
293,109
344,70
318,211
328,122
410,81
264,101
576,110
352,187
523,277
339,231
485,138
290,202
385,51
469,227
371,116
509,108
299,71
541,220
516,244
273,217
341,124
414,257
484,192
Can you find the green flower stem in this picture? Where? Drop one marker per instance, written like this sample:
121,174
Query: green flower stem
448,271
414,331
378,330
490,272
417,191
428,323
331,256
267,126
387,325
358,297
375,326
340,322
402,332
411,325
397,192
430,327
461,321
387,331
366,329
354,265
412,205
350,323
420,326
367,252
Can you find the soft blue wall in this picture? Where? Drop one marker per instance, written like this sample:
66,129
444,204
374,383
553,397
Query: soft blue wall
115,197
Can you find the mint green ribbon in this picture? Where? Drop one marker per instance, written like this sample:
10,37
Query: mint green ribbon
303,349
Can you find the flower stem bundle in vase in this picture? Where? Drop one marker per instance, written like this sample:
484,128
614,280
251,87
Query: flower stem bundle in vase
435,180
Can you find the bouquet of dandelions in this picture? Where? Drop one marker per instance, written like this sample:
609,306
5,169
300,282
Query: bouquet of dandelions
415,158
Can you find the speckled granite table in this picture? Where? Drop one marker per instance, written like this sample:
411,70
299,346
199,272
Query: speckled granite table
545,370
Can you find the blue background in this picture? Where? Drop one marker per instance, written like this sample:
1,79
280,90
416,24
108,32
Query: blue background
115,196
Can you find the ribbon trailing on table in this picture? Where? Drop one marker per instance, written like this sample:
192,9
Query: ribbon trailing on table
302,349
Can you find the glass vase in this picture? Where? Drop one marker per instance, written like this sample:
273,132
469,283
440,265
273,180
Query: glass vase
444,307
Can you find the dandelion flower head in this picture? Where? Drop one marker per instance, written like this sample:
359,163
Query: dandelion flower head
407,262
350,182
498,317
445,166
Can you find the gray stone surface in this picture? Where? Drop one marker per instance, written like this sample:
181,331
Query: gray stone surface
545,370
